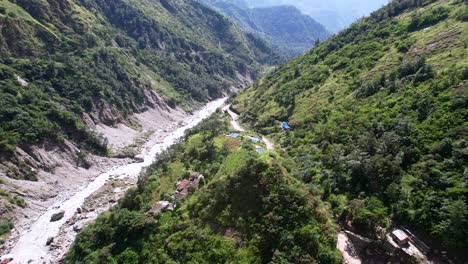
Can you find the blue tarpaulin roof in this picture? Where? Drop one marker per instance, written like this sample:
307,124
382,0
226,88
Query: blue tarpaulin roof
286,125
260,150
254,139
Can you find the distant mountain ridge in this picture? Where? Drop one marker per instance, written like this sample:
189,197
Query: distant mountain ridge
74,74
335,15
285,27
90,55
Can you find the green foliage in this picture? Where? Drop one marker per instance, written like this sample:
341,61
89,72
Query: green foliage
29,116
368,215
250,215
411,72
5,227
452,228
98,57
379,119
462,13
428,18
19,201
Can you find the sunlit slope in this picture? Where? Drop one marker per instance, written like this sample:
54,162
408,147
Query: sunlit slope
379,112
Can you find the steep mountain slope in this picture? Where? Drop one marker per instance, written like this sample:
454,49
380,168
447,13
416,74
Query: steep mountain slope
69,68
62,60
379,117
245,208
285,27
335,15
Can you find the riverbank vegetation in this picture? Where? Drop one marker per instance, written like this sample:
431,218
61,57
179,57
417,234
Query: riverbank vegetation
106,59
246,212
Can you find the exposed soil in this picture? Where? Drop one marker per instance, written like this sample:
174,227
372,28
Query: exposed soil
238,127
68,187
347,249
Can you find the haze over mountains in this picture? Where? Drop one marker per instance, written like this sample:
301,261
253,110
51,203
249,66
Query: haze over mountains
333,14
376,141
284,27
355,151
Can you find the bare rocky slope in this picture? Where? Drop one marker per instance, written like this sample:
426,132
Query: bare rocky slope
85,84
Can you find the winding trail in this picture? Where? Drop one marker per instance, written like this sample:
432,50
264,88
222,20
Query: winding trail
31,245
234,118
268,143
237,126
347,249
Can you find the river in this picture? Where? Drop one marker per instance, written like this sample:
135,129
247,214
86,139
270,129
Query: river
31,245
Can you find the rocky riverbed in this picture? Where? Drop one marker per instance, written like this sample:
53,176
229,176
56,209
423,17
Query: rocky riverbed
47,242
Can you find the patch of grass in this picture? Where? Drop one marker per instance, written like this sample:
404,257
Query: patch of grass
235,161
4,193
168,180
5,227
17,200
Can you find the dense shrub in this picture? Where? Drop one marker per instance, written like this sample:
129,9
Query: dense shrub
428,18
247,212
5,227
386,123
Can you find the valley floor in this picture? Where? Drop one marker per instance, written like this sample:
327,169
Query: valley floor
41,240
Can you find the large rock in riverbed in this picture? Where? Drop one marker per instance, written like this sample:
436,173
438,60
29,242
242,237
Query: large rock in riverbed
6,260
57,216
49,241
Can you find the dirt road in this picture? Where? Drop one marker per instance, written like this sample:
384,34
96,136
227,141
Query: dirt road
237,126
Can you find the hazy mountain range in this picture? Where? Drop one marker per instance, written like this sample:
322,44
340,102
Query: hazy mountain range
333,14
287,29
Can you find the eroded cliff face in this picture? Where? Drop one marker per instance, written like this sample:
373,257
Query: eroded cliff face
67,205
34,177
86,85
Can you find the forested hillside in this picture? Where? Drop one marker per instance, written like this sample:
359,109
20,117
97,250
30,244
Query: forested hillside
246,208
285,27
379,119
376,134
62,59
378,140
70,67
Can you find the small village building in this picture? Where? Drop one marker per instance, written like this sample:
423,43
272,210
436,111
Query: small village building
261,150
195,176
233,135
182,190
182,185
400,237
162,206
254,139
285,126
181,194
